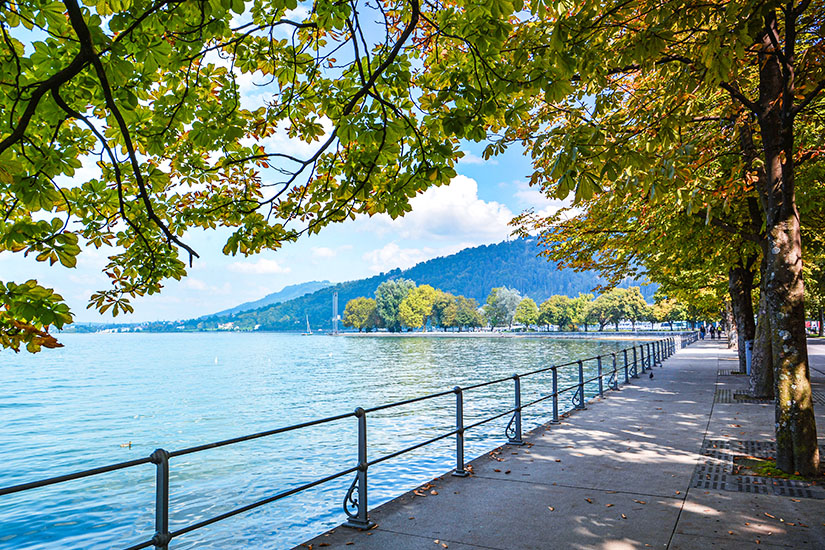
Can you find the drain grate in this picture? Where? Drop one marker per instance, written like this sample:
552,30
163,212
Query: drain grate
741,396
723,396
729,372
727,396
716,471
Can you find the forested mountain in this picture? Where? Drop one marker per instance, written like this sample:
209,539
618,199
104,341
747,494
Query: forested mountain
286,293
473,272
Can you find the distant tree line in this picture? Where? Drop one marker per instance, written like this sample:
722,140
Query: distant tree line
401,305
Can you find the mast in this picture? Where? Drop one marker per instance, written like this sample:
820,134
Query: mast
335,313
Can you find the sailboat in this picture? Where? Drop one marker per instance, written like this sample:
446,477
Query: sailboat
309,330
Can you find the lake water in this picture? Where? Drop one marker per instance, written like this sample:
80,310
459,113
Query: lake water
79,407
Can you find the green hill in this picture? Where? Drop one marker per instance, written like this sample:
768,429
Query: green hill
287,293
473,272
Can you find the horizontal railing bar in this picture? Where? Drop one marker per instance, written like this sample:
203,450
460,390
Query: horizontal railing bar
568,388
480,422
414,447
408,401
258,435
539,400
145,544
488,383
73,476
260,503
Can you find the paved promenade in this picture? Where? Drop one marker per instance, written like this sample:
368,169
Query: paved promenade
649,466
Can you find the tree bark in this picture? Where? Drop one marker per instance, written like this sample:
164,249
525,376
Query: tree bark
732,330
796,442
740,288
821,319
761,378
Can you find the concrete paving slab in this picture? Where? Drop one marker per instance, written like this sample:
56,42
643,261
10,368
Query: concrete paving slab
581,518
694,542
661,470
745,518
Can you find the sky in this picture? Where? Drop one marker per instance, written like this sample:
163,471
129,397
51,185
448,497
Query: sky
474,209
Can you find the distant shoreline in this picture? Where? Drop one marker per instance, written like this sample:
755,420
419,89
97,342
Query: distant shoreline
489,334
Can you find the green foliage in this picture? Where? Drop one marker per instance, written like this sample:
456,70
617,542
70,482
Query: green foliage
527,313
27,311
557,310
668,310
501,306
417,307
388,298
361,313
466,314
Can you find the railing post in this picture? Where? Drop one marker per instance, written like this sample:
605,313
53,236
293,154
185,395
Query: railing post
579,403
635,370
513,431
360,519
162,536
599,373
615,373
555,395
459,436
626,374
647,353
642,357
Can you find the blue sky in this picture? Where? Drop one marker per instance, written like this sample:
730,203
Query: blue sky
473,210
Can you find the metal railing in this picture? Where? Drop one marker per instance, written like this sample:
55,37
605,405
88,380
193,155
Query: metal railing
355,504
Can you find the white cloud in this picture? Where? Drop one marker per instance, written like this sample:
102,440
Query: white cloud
325,253
261,267
195,284
449,212
532,197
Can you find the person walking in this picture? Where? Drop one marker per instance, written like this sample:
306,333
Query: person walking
712,332
702,332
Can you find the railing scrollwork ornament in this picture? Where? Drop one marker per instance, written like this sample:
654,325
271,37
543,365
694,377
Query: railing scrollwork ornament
351,500
612,381
513,429
578,399
510,430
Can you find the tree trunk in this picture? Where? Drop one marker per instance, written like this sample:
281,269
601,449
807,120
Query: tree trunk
740,288
821,318
796,442
730,325
761,378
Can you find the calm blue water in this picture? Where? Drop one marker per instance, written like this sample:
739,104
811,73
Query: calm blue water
79,407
